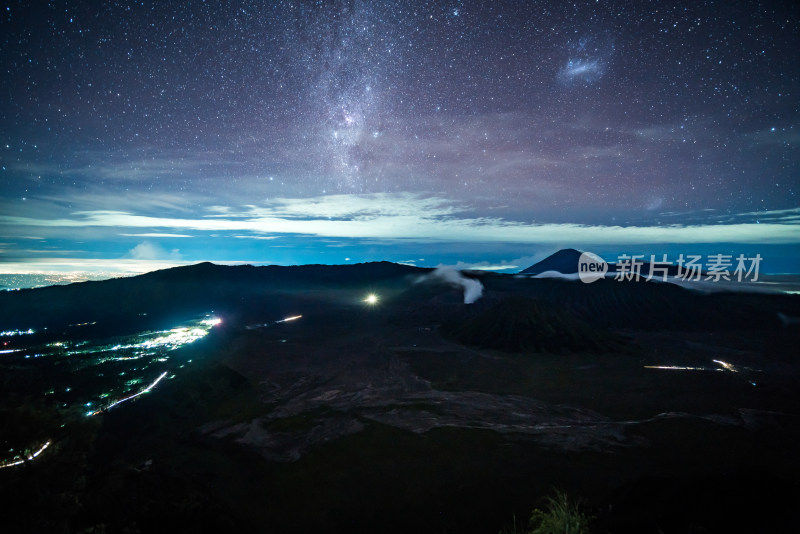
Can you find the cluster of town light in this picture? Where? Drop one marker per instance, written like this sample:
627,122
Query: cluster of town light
151,346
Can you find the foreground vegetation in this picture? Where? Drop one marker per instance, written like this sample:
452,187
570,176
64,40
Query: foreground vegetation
560,516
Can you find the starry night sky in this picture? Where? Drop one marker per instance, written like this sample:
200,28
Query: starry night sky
142,134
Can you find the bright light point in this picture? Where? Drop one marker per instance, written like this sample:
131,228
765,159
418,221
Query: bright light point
287,319
371,299
679,368
727,366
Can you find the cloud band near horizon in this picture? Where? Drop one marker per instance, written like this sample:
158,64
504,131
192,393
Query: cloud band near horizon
405,217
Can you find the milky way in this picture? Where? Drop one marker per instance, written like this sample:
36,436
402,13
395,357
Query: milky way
432,132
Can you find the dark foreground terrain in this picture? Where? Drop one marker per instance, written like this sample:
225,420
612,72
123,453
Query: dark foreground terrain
309,409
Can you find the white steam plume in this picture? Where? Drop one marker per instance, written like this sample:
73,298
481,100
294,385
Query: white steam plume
473,289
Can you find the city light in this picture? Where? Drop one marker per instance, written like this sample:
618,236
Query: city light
129,397
122,364
104,373
266,325
679,368
9,333
17,460
723,366
727,366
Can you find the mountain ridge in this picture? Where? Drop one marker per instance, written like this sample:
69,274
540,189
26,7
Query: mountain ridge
181,290
564,261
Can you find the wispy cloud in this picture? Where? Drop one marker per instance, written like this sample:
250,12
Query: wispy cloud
408,217
155,234
144,166
148,251
483,266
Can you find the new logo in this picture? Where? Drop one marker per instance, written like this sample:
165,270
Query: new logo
591,267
